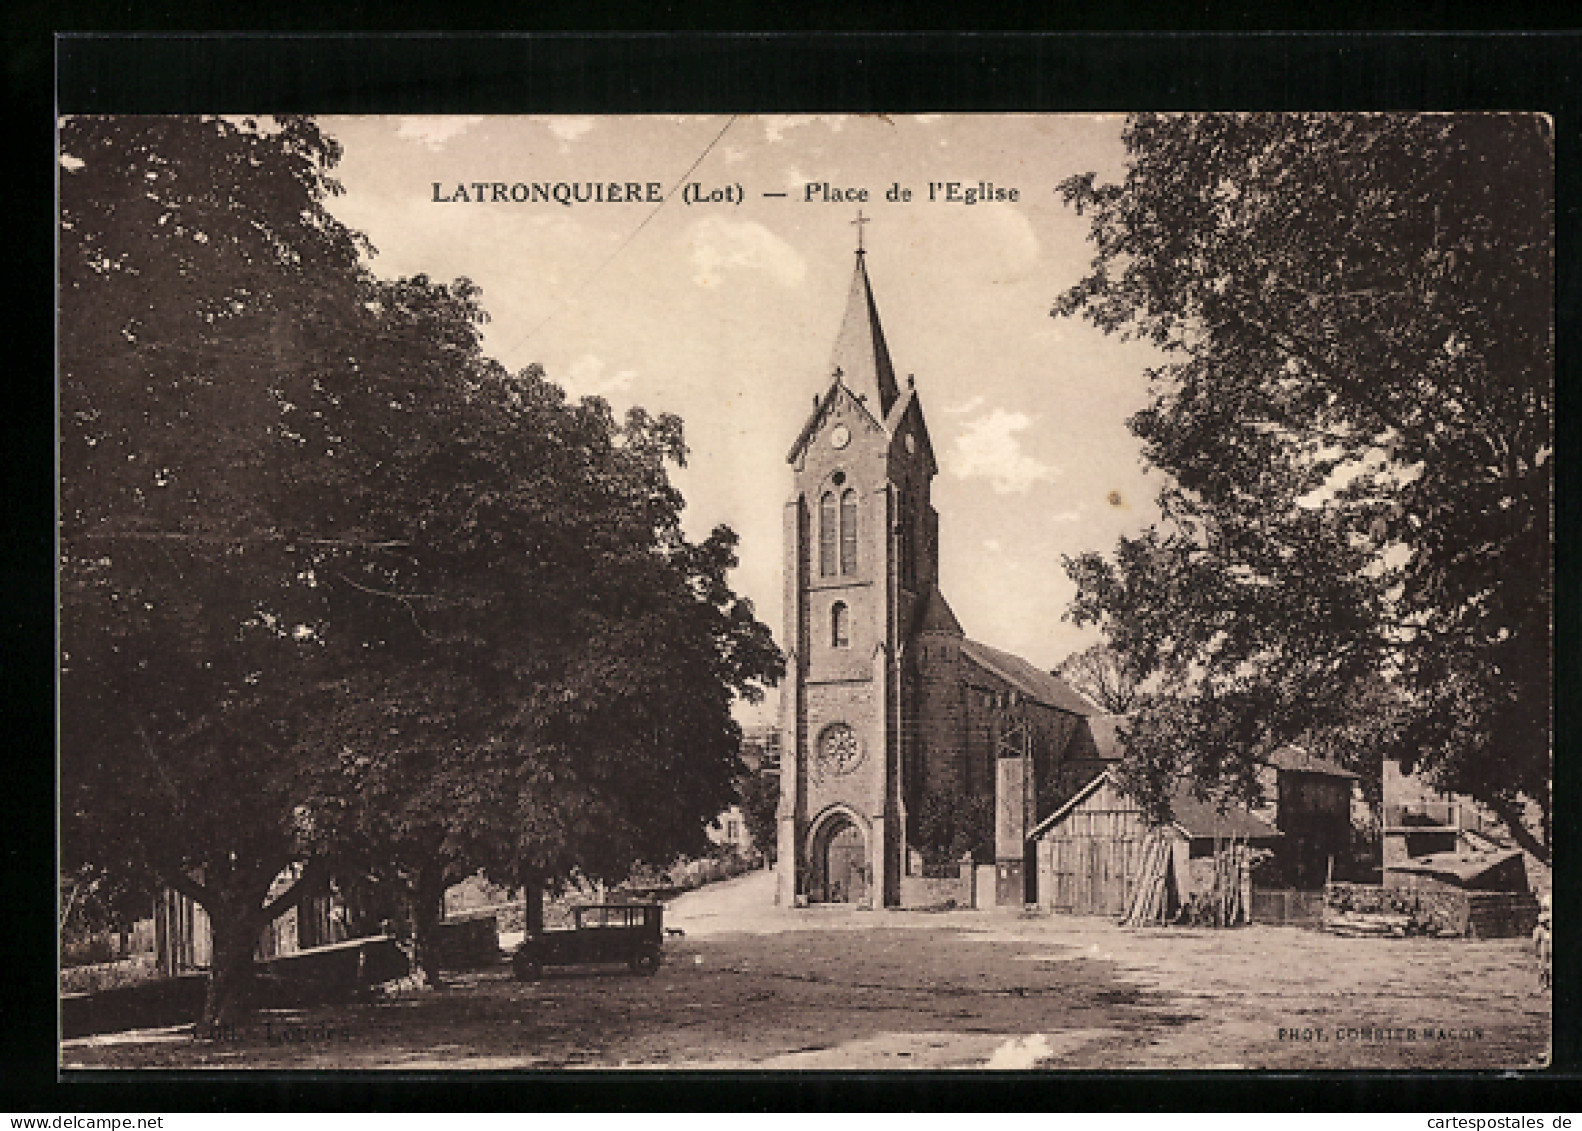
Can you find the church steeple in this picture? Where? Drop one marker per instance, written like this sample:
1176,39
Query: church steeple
860,353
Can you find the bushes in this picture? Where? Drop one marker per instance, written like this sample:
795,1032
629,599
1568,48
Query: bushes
951,824
87,979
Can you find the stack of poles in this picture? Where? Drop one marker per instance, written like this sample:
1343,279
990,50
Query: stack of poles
1150,895
1230,897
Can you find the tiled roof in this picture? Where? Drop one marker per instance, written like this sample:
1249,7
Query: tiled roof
1204,819
1297,760
1037,684
1195,819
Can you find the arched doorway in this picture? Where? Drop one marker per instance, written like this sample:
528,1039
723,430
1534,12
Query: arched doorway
839,872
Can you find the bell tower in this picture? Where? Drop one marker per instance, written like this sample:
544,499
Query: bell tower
860,552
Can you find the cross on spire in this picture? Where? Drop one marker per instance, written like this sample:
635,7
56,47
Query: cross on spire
859,222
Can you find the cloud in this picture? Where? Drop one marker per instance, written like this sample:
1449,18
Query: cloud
720,246
992,545
1009,237
586,378
1067,516
796,178
565,128
436,131
568,129
962,409
989,449
927,119
776,126
1021,1053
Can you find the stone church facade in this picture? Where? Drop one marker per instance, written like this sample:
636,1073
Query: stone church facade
886,700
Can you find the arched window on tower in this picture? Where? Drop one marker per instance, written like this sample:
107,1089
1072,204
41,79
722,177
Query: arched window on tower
848,532
827,535
840,626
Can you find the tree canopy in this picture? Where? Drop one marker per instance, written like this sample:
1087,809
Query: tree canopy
1355,414
1100,673
336,586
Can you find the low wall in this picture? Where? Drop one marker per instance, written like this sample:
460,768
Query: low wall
1470,914
308,977
147,1005
466,944
920,891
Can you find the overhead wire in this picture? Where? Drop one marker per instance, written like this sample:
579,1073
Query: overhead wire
622,246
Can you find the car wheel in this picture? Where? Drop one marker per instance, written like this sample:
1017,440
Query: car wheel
646,962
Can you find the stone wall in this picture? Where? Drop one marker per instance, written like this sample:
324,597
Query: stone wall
1470,914
920,891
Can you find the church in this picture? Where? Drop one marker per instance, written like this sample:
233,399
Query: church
887,701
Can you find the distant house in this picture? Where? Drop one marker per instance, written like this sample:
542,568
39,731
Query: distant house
729,829
1312,801
761,750
1089,851
1421,821
760,753
183,937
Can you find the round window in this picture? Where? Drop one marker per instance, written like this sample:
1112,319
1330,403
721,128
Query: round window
839,749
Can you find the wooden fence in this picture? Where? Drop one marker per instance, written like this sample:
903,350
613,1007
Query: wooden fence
1288,907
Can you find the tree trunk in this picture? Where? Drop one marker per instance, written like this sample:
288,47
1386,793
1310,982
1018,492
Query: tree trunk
1512,816
235,928
428,910
533,897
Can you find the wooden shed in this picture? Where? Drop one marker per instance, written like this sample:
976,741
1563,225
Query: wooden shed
1090,849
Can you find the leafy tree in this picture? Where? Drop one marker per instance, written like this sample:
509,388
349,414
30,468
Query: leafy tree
94,902
1355,413
563,702
951,823
760,802
204,289
336,589
1100,673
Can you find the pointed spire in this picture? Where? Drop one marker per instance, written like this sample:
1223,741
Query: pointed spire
860,353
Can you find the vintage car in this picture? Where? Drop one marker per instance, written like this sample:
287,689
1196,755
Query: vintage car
632,933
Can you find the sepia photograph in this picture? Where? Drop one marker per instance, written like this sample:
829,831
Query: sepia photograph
836,593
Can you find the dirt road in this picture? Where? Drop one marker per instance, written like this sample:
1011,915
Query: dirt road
752,985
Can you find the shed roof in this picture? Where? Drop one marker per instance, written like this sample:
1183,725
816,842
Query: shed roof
1194,819
1297,760
1037,684
1203,819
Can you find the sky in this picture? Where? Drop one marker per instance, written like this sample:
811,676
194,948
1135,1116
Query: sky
724,311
